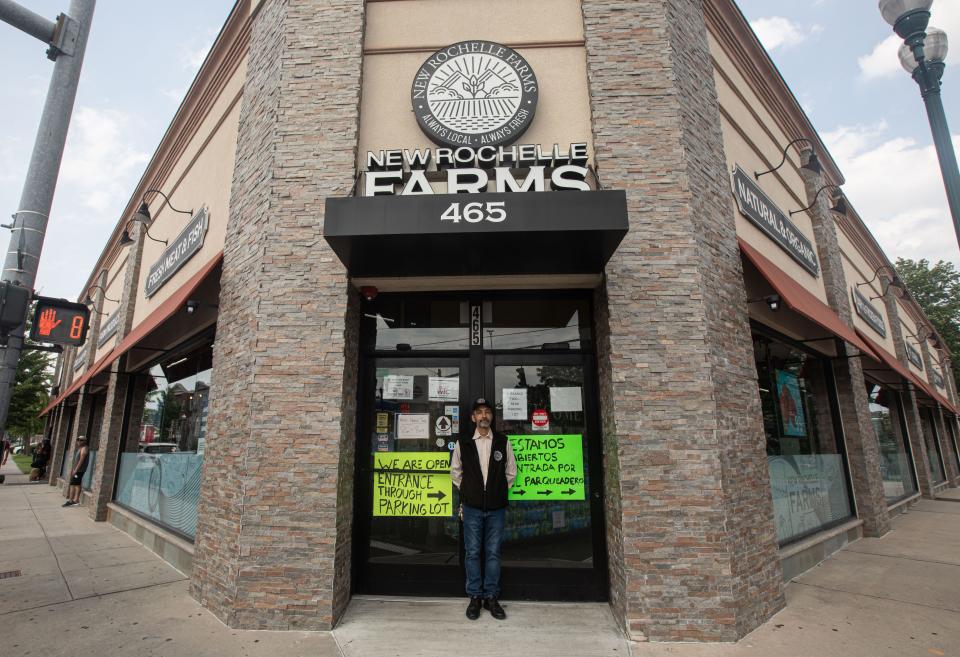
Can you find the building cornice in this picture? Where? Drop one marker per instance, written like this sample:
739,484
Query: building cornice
732,31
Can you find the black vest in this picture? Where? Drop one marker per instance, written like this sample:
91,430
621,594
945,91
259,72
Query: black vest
472,492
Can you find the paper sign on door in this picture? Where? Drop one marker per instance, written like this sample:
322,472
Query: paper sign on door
515,404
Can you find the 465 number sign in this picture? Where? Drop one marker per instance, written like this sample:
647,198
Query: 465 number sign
473,213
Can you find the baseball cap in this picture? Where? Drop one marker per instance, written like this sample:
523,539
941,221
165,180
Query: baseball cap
481,401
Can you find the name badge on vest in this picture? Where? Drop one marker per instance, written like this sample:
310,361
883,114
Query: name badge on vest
497,455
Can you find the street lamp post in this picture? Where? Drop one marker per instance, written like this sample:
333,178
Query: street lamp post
922,54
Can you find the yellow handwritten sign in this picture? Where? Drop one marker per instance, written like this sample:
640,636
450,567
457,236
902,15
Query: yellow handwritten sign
416,461
412,484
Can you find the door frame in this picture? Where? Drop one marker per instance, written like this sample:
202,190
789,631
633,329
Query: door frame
584,584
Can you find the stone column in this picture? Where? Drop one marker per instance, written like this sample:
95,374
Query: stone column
918,445
62,435
911,410
690,531
863,450
81,419
273,543
96,317
950,468
114,404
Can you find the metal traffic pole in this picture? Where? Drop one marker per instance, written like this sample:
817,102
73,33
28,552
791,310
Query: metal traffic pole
67,38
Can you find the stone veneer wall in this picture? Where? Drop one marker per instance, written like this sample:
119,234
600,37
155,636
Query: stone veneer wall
118,384
688,482
860,440
274,522
908,396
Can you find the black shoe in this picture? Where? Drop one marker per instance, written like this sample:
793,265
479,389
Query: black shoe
69,503
495,609
473,609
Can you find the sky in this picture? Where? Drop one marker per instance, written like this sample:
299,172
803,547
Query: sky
838,56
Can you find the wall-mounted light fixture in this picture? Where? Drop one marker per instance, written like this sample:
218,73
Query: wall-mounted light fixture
812,164
143,216
92,306
192,306
894,281
773,301
839,201
105,297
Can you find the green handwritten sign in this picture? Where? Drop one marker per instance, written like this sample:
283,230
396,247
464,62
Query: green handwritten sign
412,484
548,468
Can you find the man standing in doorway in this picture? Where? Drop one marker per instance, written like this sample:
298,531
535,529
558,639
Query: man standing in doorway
483,468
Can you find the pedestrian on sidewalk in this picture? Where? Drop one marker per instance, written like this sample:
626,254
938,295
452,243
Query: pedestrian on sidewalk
41,456
80,459
483,468
5,449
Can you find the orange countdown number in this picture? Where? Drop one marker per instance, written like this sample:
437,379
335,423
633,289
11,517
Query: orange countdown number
76,327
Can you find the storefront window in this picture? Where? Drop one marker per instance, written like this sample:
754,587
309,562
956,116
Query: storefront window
551,324
807,469
934,457
414,324
159,472
888,425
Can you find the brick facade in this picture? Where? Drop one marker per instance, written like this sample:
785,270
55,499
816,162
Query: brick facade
685,446
273,537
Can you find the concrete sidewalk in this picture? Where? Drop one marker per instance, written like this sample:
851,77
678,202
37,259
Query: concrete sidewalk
87,588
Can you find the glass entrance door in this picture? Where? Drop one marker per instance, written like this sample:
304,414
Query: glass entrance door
410,538
425,359
553,546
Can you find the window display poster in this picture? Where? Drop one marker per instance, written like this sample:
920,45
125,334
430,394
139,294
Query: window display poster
515,404
566,400
444,389
809,491
397,386
413,426
791,404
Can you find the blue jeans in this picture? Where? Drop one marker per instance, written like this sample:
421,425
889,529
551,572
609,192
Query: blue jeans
482,528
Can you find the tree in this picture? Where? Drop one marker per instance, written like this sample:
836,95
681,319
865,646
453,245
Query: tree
31,392
937,290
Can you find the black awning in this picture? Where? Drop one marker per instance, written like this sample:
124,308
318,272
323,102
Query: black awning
568,232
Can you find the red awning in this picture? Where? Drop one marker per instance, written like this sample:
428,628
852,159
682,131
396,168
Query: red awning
173,303
802,301
890,361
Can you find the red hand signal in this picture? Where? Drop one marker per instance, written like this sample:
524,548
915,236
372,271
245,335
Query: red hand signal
48,321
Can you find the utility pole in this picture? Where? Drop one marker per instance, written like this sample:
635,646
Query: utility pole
67,40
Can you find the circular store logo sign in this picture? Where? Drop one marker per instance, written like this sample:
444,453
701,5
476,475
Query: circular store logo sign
475,93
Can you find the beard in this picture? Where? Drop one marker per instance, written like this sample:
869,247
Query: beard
484,424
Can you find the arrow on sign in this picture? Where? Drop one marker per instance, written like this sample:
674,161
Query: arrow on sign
439,495
544,492
520,492
569,491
